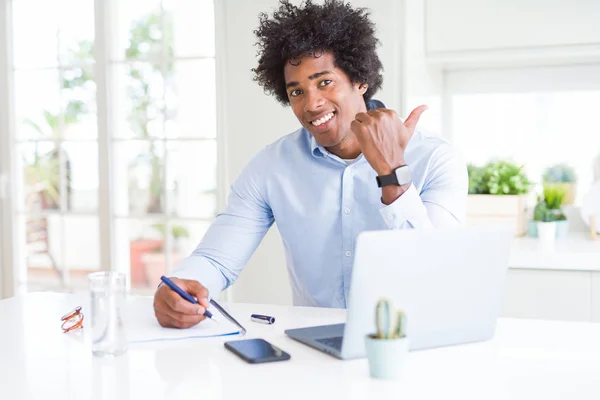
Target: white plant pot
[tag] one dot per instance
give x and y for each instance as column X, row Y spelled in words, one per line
column 386, row 356
column 547, row 234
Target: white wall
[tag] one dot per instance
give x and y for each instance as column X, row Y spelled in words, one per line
column 483, row 25
column 253, row 120
column 421, row 83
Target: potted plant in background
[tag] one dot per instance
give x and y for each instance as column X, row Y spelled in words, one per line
column 546, row 226
column 388, row 347
column 555, row 196
column 498, row 194
column 549, row 209
column 563, row 176
column 155, row 261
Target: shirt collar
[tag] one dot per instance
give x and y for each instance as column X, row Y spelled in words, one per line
column 319, row 151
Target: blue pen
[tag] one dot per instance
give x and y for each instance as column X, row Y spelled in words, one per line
column 185, row 295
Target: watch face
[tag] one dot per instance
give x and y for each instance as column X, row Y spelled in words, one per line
column 403, row 175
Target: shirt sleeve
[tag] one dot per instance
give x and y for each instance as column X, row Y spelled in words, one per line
column 217, row 262
column 441, row 203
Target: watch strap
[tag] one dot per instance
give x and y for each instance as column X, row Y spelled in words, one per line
column 392, row 179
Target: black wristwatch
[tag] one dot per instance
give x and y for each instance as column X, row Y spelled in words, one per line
column 400, row 176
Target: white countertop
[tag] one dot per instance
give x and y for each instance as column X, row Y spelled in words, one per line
column 525, row 360
column 577, row 252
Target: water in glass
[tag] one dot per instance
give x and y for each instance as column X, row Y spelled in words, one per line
column 107, row 290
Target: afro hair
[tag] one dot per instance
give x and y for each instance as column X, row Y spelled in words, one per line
column 310, row 29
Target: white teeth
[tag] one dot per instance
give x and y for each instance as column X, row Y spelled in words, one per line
column 323, row 119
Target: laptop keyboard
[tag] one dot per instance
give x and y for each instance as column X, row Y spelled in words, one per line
column 335, row 342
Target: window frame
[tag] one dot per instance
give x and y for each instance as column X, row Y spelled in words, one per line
column 7, row 281
column 104, row 68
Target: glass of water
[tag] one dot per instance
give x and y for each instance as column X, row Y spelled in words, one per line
column 107, row 290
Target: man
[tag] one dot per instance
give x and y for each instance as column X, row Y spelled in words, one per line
column 321, row 184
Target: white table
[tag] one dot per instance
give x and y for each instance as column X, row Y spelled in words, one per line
column 526, row 360
column 575, row 252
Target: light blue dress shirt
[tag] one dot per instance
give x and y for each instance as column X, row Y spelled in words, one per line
column 320, row 204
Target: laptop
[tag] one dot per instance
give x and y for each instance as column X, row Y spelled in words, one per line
column 449, row 282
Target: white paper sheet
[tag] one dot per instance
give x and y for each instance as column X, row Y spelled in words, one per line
column 142, row 325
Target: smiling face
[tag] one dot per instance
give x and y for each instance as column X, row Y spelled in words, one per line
column 325, row 102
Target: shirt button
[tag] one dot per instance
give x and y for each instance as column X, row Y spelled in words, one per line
column 346, row 210
column 390, row 217
column 348, row 253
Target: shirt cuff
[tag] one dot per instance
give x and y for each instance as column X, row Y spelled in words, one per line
column 407, row 211
column 203, row 271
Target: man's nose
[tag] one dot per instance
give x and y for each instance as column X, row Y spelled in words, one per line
column 313, row 101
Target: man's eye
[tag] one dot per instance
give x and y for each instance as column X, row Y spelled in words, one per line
column 295, row 92
column 325, row 82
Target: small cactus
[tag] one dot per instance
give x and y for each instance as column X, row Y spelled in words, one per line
column 389, row 327
column 400, row 324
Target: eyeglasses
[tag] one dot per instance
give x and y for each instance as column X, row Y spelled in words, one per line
column 73, row 320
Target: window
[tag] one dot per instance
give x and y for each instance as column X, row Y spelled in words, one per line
column 535, row 116
column 156, row 126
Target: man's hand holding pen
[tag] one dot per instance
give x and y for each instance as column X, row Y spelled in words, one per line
column 173, row 311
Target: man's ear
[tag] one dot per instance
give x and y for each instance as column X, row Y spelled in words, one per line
column 362, row 88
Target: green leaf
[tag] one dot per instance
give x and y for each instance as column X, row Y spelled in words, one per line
column 503, row 178
column 476, row 183
column 540, row 211
column 554, row 196
column 548, row 208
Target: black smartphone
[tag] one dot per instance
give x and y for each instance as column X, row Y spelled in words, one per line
column 256, row 351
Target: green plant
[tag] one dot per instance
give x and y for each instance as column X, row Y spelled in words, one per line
column 559, row 173
column 540, row 211
column 390, row 324
column 498, row 178
column 505, row 178
column 548, row 207
column 554, row 196
column 476, row 183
